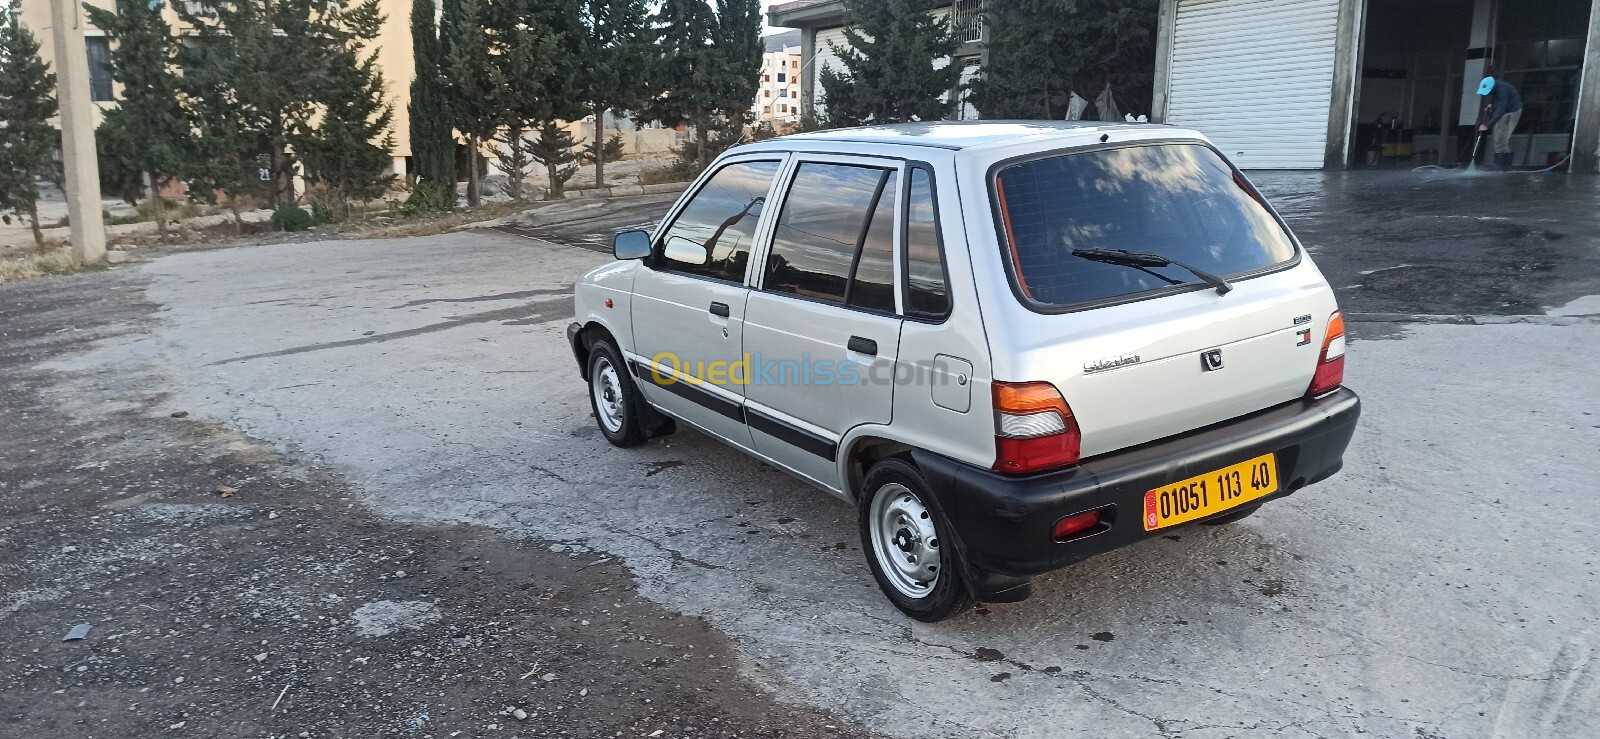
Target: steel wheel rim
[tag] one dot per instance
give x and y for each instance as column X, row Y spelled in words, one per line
column 904, row 540
column 606, row 387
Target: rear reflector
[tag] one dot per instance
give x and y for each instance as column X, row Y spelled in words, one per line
column 1330, row 365
column 1034, row 428
column 1072, row 525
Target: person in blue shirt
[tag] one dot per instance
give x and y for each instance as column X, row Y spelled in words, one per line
column 1502, row 107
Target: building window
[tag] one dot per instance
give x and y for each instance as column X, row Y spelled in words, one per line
column 966, row 19
column 784, row 108
column 783, row 77
column 783, row 93
column 99, row 68
column 768, row 78
column 794, row 64
column 766, row 93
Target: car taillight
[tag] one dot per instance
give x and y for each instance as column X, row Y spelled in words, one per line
column 1330, row 366
column 1033, row 428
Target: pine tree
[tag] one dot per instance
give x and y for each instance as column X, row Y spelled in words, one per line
column 615, row 51
column 147, row 130
column 553, row 149
column 348, row 148
column 27, row 103
column 476, row 83
column 686, row 70
column 1041, row 51
column 433, row 144
column 531, row 50
column 889, row 74
column 225, row 157
column 279, row 65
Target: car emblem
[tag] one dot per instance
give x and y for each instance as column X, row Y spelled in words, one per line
column 1101, row 365
column 1211, row 360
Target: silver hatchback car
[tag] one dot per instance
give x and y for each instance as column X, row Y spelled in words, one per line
column 1012, row 345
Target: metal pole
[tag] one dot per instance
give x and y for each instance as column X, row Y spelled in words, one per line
column 77, row 132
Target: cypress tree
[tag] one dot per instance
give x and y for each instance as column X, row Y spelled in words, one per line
column 888, row 74
column 739, row 48
column 615, row 51
column 433, row 144
column 687, row 68
column 148, row 127
column 27, row 103
column 1041, row 51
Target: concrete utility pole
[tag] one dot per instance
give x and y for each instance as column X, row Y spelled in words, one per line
column 77, row 132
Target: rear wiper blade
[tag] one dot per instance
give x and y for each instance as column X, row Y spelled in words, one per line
column 1143, row 259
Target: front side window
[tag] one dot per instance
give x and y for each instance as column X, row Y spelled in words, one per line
column 712, row 236
column 835, row 236
column 1183, row 202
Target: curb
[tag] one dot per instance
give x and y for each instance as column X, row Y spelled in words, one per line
column 625, row 190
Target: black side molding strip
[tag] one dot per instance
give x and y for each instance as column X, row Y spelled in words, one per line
column 774, row 427
column 792, row 434
column 718, row 404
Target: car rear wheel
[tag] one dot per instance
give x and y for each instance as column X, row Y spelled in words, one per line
column 614, row 397
column 902, row 534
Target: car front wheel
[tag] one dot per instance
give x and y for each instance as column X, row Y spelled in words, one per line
column 903, row 536
column 614, row 397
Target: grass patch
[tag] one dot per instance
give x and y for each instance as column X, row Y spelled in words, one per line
column 663, row 175
column 50, row 259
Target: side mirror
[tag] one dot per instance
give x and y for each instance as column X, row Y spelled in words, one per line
column 631, row 245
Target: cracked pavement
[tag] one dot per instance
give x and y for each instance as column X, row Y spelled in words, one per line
column 1442, row 585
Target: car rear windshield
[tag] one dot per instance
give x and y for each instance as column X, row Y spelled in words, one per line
column 1181, row 201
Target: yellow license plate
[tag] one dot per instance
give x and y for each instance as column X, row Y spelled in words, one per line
column 1213, row 492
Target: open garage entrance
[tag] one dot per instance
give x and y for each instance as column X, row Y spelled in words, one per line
column 1421, row 61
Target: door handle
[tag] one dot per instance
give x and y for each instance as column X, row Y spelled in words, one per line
column 719, row 309
column 862, row 346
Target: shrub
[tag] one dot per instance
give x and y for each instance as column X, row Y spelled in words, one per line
column 327, row 206
column 290, row 217
column 428, row 197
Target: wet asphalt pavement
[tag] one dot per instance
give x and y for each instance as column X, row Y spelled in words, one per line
column 1443, row 241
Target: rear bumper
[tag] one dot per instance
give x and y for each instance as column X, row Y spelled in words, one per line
column 1004, row 524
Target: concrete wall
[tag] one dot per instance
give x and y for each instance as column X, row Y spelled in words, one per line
column 636, row 141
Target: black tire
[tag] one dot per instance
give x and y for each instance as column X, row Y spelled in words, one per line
column 1235, row 515
column 623, row 429
column 892, row 480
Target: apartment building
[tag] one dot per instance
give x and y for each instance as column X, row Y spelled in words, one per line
column 820, row 25
column 778, row 97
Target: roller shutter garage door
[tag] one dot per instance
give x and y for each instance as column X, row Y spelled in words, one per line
column 825, row 57
column 1256, row 77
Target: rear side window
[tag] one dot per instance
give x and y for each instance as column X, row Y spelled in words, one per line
column 1181, row 201
column 712, row 236
column 835, row 237
column 927, row 294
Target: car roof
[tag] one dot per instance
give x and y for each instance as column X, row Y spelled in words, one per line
column 958, row 135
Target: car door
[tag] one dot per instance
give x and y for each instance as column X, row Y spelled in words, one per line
column 822, row 327
column 689, row 299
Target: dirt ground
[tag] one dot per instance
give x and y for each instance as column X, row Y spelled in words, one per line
column 235, row 592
